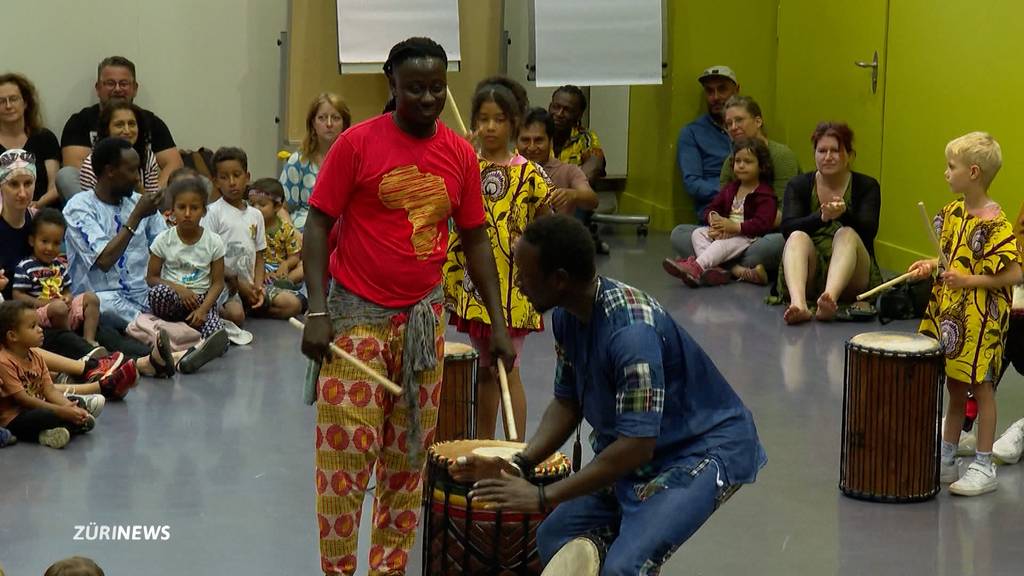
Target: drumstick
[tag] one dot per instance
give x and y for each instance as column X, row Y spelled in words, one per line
column 931, row 234
column 388, row 384
column 506, row 399
column 455, row 110
column 882, row 287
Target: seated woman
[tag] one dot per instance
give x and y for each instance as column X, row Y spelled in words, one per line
column 21, row 128
column 122, row 119
column 829, row 219
column 743, row 119
column 328, row 116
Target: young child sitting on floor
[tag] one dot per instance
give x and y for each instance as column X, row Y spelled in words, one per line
column 31, row 408
column 42, row 280
column 284, row 243
column 242, row 229
column 186, row 274
column 743, row 210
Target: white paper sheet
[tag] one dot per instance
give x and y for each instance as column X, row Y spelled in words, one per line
column 367, row 29
column 598, row 42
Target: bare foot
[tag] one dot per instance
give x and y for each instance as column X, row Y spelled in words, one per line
column 794, row 315
column 826, row 308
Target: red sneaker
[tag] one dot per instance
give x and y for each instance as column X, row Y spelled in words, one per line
column 686, row 269
column 122, row 379
column 105, row 367
column 715, row 277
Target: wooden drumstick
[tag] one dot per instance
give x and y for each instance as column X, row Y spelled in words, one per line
column 882, row 287
column 388, row 384
column 455, row 110
column 506, row 399
column 931, row 234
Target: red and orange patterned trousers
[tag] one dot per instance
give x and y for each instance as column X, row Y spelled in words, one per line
column 361, row 429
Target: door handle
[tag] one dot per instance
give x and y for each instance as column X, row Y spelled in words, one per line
column 874, row 70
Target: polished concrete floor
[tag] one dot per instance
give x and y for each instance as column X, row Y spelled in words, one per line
column 224, row 460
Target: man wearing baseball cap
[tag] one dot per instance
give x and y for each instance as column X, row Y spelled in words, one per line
column 704, row 143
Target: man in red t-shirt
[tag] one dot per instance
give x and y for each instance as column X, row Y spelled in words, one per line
column 395, row 180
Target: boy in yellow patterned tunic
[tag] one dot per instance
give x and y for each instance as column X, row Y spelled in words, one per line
column 969, row 309
column 515, row 193
column 284, row 242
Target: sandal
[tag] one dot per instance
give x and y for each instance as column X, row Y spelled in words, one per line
column 166, row 356
column 857, row 312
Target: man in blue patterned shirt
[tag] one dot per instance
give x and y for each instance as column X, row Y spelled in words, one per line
column 671, row 438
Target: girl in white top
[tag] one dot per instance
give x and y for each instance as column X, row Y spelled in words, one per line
column 186, row 263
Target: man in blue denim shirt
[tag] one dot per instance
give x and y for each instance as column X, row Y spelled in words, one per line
column 671, row 438
column 704, row 144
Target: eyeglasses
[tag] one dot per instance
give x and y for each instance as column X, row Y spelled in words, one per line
column 12, row 100
column 8, row 158
column 334, row 118
column 115, row 84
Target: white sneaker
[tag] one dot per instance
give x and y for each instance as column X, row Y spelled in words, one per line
column 93, row 403
column 976, row 481
column 1009, row 446
column 948, row 473
column 55, row 437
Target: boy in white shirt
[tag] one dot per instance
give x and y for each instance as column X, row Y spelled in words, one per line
column 241, row 228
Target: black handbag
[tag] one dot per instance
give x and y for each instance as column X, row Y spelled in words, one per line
column 904, row 302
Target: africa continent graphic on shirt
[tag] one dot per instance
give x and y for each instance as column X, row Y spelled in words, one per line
column 425, row 200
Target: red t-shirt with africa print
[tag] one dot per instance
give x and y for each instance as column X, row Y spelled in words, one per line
column 395, row 193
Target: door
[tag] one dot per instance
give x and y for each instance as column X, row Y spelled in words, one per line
column 819, row 78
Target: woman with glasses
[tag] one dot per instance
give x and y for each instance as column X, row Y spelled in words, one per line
column 328, row 117
column 21, row 127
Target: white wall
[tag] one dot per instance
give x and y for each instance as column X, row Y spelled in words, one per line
column 211, row 70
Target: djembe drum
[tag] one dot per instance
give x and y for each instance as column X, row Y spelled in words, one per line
column 456, row 413
column 580, row 556
column 460, row 535
column 892, row 407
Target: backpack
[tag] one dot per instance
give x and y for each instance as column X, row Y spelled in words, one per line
column 904, row 302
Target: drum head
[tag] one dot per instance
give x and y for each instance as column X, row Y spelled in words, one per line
column 458, row 350
column 578, row 556
column 555, row 466
column 904, row 343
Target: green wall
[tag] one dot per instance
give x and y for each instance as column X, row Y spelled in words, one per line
column 951, row 69
column 740, row 34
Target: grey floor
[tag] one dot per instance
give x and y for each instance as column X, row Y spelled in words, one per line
column 224, row 458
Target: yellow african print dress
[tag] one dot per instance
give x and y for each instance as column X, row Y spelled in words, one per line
column 970, row 323
column 512, row 195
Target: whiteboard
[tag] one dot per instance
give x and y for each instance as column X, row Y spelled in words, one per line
column 367, row 29
column 598, row 42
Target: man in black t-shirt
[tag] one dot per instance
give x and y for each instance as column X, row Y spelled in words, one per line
column 115, row 78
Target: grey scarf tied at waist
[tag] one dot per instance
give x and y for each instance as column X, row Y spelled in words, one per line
column 419, row 353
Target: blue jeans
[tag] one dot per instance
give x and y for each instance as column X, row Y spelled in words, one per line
column 654, row 517
column 766, row 250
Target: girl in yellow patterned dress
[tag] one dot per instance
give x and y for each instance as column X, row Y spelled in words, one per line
column 515, row 193
column 969, row 309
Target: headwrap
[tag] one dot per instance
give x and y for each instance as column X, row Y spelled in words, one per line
column 15, row 161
